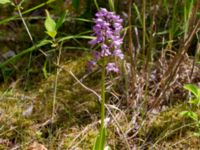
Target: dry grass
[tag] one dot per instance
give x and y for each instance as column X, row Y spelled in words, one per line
column 26, row 116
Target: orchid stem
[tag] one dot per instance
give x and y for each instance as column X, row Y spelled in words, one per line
column 101, row 145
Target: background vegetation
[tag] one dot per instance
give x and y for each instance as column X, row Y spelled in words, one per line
column 49, row 98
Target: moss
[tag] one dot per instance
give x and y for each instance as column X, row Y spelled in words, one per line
column 76, row 112
column 74, row 106
column 14, row 126
column 168, row 126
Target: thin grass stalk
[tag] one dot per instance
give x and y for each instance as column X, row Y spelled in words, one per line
column 148, row 61
column 187, row 15
column 194, row 61
column 102, row 144
column 55, row 93
column 96, row 4
column 173, row 25
column 139, row 15
column 56, row 82
column 192, row 17
column 31, row 38
column 143, row 26
column 24, row 23
column 147, row 69
column 112, row 5
column 197, row 55
column 132, row 52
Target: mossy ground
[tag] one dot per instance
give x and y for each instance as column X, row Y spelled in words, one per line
column 77, row 114
column 76, row 108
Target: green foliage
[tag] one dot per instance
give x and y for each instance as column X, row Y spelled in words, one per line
column 96, row 4
column 196, row 92
column 97, row 142
column 22, row 53
column 190, row 114
column 198, row 14
column 100, row 140
column 6, row 72
column 187, row 8
column 196, row 102
column 137, row 13
column 5, row 1
column 76, row 3
column 50, row 26
column 111, row 5
column 44, row 70
column 61, row 20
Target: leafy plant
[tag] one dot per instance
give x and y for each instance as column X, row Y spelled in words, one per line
column 5, row 1
column 50, row 26
column 100, row 140
column 196, row 102
column 196, row 92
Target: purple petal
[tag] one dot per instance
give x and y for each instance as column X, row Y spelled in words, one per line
column 111, row 67
column 93, row 42
column 91, row 65
column 118, row 53
column 96, row 55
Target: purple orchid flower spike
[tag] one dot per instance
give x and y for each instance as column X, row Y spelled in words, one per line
column 107, row 30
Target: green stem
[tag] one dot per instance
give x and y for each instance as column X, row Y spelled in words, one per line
column 31, row 38
column 96, row 4
column 102, row 142
column 56, row 81
column 143, row 25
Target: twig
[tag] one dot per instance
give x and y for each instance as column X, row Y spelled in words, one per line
column 85, row 87
column 56, row 81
